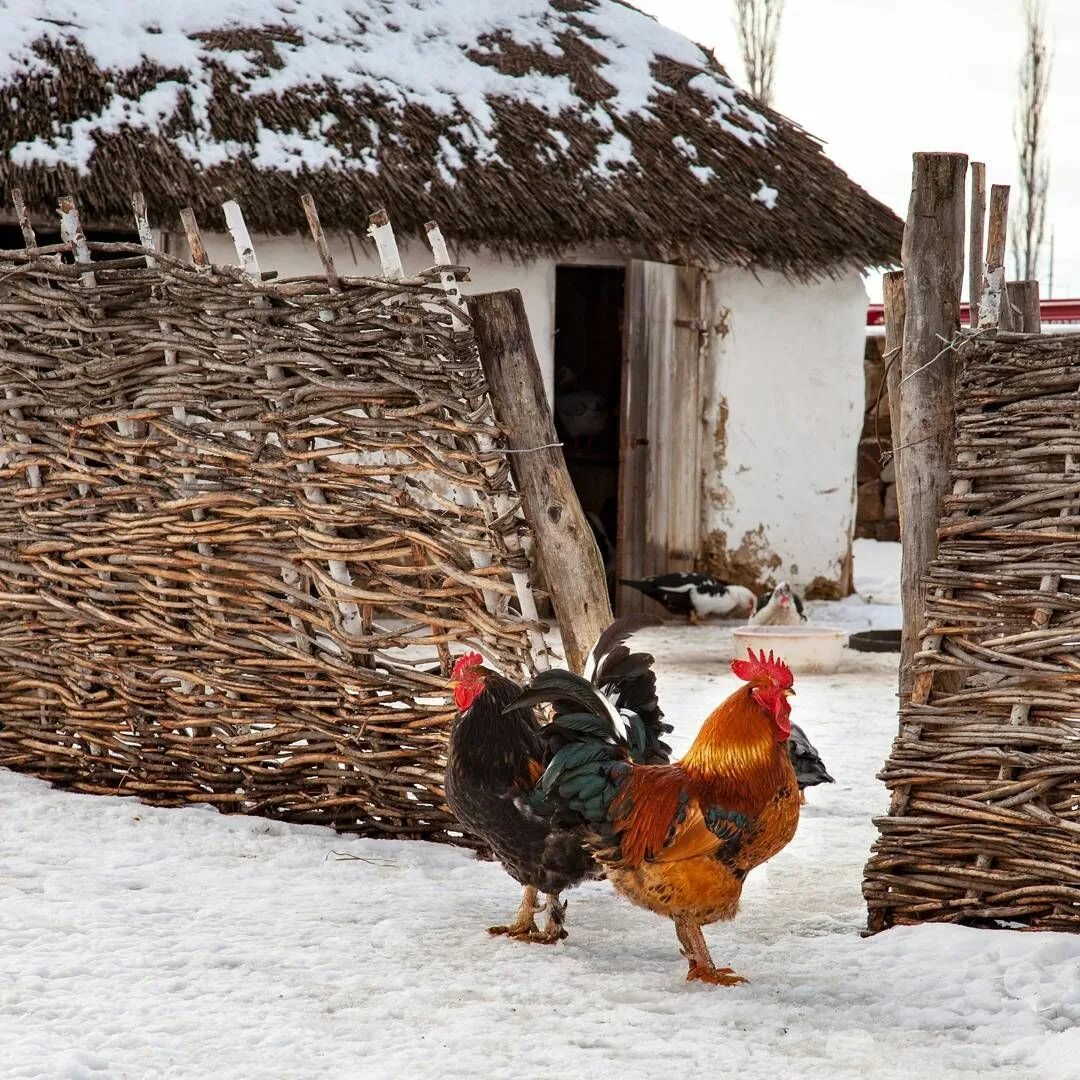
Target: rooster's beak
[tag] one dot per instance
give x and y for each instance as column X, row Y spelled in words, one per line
column 789, row 693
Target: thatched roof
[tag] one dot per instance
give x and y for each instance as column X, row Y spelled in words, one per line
column 522, row 125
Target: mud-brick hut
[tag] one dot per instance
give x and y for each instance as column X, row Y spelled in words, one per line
column 690, row 260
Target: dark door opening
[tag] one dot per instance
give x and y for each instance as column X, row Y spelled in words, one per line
column 588, row 390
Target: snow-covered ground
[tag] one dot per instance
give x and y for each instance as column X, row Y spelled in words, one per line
column 137, row 942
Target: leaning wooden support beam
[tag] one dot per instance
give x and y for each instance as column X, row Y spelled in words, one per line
column 465, row 496
column 933, row 255
column 575, row 570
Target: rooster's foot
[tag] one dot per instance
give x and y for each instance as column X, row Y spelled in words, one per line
column 524, row 925
column 522, row 931
column 713, row 975
column 547, row 936
column 553, row 931
column 696, row 951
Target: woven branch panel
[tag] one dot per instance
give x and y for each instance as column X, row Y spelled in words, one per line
column 242, row 527
column 984, row 825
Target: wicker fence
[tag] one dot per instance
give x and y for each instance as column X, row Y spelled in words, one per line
column 243, row 525
column 984, row 826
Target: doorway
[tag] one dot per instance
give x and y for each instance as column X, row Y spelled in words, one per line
column 589, row 305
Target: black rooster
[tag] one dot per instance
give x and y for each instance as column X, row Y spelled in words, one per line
column 495, row 759
column 809, row 768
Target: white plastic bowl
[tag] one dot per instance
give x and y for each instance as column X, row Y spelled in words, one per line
column 802, row 648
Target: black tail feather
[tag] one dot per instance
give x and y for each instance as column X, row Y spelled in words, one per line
column 614, row 636
column 569, row 693
column 629, row 680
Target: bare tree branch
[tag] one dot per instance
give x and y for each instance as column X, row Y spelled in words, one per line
column 758, row 26
column 1029, row 223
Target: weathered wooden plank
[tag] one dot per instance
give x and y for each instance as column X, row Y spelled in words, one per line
column 667, row 411
column 933, row 256
column 574, row 568
column 684, row 422
column 658, row 527
column 630, row 558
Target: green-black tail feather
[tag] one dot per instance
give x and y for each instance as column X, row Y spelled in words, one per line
column 602, row 725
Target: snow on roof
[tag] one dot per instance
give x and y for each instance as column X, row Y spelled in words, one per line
column 378, row 89
column 429, row 54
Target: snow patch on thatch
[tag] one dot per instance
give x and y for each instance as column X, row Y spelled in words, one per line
column 429, row 54
column 523, row 126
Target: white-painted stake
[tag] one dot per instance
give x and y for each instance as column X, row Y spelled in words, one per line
column 382, row 232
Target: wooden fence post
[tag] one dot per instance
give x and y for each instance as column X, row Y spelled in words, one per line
column 933, row 255
column 572, row 560
column 1025, row 314
column 977, row 238
column 895, row 310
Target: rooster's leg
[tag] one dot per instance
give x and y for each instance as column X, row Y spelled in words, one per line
column 524, row 925
column 553, row 929
column 702, row 968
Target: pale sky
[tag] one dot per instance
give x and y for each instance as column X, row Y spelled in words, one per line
column 877, row 80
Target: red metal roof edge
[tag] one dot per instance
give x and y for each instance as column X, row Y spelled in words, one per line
column 1053, row 311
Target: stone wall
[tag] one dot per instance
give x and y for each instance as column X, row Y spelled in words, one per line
column 876, row 513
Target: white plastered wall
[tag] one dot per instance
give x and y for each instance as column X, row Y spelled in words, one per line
column 293, row 256
column 784, row 405
column 785, row 418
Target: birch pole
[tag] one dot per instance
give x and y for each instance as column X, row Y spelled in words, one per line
column 991, row 302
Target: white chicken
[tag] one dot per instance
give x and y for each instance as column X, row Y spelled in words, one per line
column 781, row 607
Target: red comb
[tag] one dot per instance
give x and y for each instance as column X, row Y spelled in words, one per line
column 469, row 660
column 757, row 667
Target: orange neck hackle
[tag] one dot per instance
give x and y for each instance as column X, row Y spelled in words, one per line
column 737, row 740
column 742, row 740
